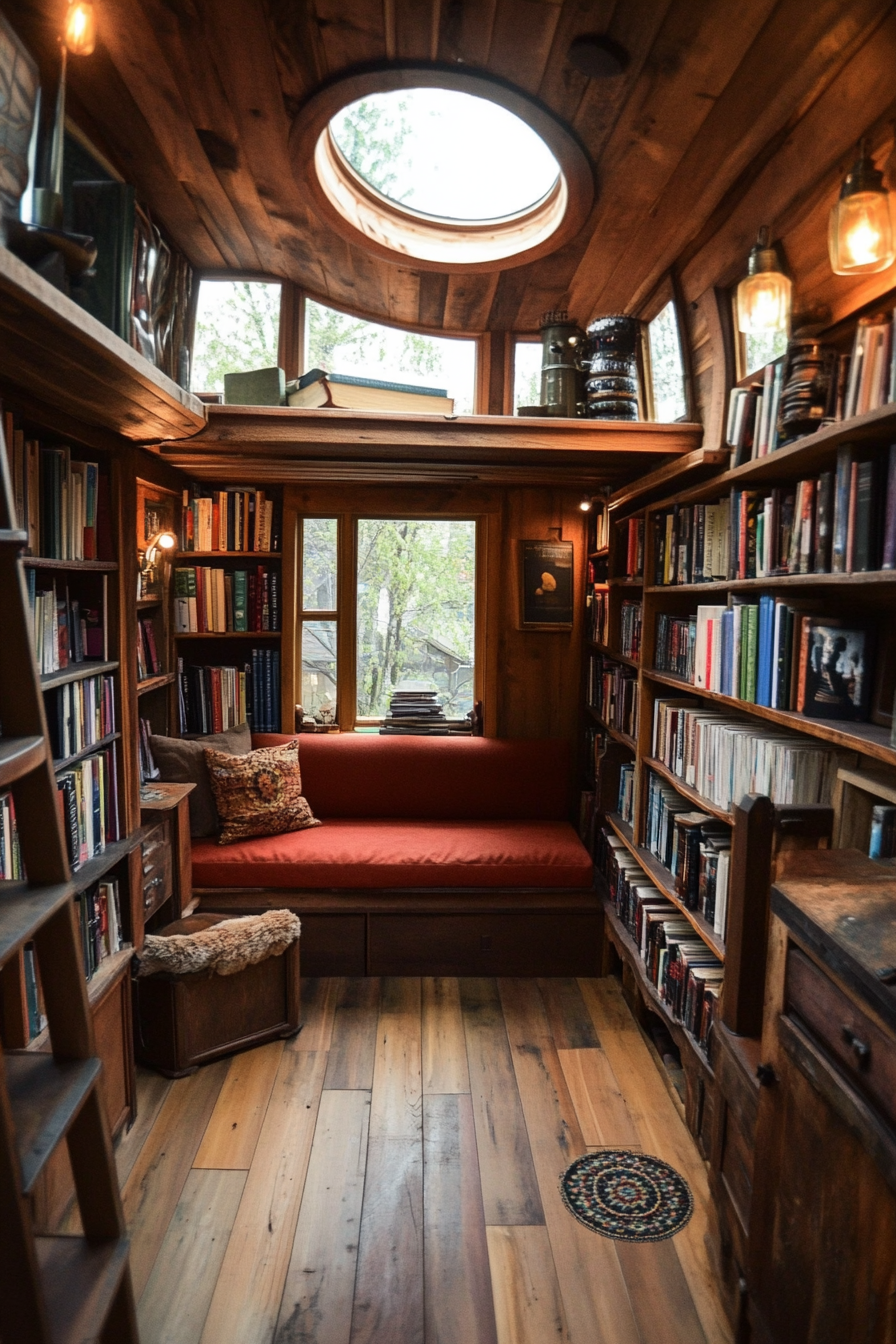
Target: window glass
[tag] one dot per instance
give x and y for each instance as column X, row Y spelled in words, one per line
column 237, row 329
column 667, row 366
column 760, row 349
column 318, row 665
column 526, row 374
column 339, row 343
column 319, row 564
column 415, row 617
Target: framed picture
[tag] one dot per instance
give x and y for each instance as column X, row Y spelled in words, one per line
column 546, row 587
column 157, row 511
column 837, row 682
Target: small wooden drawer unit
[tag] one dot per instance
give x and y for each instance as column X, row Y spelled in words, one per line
column 155, row 868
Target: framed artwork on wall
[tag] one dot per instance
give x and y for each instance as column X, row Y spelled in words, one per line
column 546, row 587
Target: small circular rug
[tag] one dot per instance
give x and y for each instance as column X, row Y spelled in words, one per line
column 627, row 1196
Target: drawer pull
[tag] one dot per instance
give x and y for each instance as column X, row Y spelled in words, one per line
column 859, row 1048
column 766, row 1075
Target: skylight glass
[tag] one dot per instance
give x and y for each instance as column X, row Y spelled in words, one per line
column 445, row 154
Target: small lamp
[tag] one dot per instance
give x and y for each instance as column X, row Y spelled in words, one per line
column 79, row 36
column 585, row 503
column 156, row 547
column 860, row 231
column 763, row 296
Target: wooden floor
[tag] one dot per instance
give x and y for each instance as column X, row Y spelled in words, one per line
column 391, row 1176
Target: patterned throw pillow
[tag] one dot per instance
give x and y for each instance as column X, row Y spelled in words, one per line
column 260, row 793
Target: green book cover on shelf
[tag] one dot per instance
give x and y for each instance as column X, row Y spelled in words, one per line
column 240, row 602
column 751, row 618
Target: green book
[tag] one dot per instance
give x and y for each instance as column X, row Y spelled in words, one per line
column 240, row 599
column 255, row 387
column 751, row 614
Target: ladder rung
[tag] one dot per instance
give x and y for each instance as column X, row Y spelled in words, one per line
column 45, row 1095
column 11, row 536
column 24, row 909
column 19, row 756
column 80, row 1280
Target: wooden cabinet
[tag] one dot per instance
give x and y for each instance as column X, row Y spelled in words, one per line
column 822, row 1236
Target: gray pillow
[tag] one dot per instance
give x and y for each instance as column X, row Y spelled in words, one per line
column 181, row 760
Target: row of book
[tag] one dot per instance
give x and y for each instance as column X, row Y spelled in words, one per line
column 87, row 801
column 211, row 600
column 634, row 548
column 212, row 699
column 871, row 381
column 63, row 631
column 676, row 639
column 85, row 714
column 773, row 654
column 694, row 847
column 61, row 503
column 599, row 614
column 99, row 921
column 11, row 869
column 724, row 757
column 613, row 693
column 630, row 629
column 149, row 664
column 686, row 974
column 230, row 520
column 753, row 428
column 598, row 526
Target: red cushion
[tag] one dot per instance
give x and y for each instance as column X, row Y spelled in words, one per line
column 393, row 853
column 432, row 778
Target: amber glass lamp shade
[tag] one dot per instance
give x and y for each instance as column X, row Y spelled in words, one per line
column 764, row 294
column 79, row 37
column 860, row 233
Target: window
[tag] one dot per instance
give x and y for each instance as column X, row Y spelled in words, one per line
column 411, row 613
column 342, row 344
column 761, row 349
column 526, row 374
column 237, row 328
column 667, row 366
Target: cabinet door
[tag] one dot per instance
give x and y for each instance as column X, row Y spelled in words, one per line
column 114, row 1045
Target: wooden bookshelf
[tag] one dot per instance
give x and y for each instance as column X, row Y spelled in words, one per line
column 73, row 566
column 155, row 683
column 76, row 672
column 257, row 556
column 229, row 634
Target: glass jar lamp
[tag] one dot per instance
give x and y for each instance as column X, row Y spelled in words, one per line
column 764, row 294
column 860, row 231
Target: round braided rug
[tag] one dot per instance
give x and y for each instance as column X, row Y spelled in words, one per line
column 627, row 1196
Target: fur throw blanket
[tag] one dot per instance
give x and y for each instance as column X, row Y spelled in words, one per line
column 224, row 949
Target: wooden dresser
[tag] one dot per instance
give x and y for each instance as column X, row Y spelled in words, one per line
column 822, row 1244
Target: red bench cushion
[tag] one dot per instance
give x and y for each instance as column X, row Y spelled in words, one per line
column 391, row 853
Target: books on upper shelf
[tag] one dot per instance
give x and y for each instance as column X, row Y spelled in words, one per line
column 630, row 629
column 773, row 654
column 84, row 715
column 99, row 923
column 752, row 426
column 230, row 520
column 634, row 548
column 342, row 391
column 87, row 800
column 212, row 600
column 599, row 614
column 63, row 631
column 725, row 757
column 61, row 502
column 212, row 699
column 149, row 664
column 598, row 525
column 613, row 693
column 871, row 381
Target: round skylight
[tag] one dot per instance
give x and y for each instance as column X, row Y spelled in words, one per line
column 446, row 154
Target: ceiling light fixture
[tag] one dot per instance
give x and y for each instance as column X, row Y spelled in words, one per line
column 860, row 232
column 764, row 294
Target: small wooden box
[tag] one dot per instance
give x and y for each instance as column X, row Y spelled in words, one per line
column 182, row 1021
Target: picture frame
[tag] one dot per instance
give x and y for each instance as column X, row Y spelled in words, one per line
column 157, row 511
column 546, row 585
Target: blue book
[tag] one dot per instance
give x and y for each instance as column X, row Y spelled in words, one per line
column 727, row 637
column 764, row 669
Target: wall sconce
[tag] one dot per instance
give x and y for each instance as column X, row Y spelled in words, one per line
column 156, row 547
column 78, row 37
column 860, row 230
column 763, row 296
column 585, row 503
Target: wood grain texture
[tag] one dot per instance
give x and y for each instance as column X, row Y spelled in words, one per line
column 319, row 999
column 457, row 1288
column 509, row 1187
column 395, row 1107
column 569, row 1019
column 600, row 1106
column 152, row 1089
column 353, row 1041
column 232, row 1133
column 526, row 1294
column 157, row 1177
column 443, row 1042
column 389, row 1285
column 176, row 1300
column 246, row 1302
column 320, row 1282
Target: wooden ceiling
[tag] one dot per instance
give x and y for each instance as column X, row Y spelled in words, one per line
column 193, row 101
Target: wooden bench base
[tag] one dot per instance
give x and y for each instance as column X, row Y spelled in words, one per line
column 434, row 932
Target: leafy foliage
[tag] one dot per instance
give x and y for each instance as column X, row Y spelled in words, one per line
column 336, row 342
column 237, row 328
column 372, row 140
column 667, row 369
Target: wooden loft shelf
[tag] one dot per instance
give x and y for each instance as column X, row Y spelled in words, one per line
column 688, row 469
column 56, row 352
column 303, row 445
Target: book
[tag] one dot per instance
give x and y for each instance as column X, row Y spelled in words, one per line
column 343, row 391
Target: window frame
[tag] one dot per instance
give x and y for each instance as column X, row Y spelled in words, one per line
column 518, row 338
column 253, row 277
column 346, row 613
column 666, row 292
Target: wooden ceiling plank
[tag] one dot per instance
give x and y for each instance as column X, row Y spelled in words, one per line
column 507, row 298
column 823, row 139
column 433, row 293
column 521, row 40
column 469, row 302
column 352, row 31
column 465, row 31
column 132, row 45
column 415, row 28
column 404, row 295
column 298, row 49
column 697, row 51
column 773, row 88
column 562, row 87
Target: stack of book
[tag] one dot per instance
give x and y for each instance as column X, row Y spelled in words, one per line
column 212, row 699
column 63, row 631
column 230, row 520
column 630, row 629
column 415, row 710
column 613, row 693
column 60, row 502
column 85, row 714
column 752, row 428
column 214, row 601
column 87, row 800
column 872, row 367
column 99, row 920
column 694, row 847
column 725, row 757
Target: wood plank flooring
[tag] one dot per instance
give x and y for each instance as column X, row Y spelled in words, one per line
column 390, row 1176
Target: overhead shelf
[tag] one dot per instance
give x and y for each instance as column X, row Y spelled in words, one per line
column 57, row 352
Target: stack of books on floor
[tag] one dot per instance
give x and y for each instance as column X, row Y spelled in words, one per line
column 415, row 711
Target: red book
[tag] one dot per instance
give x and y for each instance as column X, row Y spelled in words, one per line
column 217, row 710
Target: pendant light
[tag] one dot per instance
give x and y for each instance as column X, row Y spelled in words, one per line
column 860, row 232
column 763, row 296
column 80, row 28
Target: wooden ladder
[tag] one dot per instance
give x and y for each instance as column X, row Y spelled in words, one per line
column 53, row 1289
